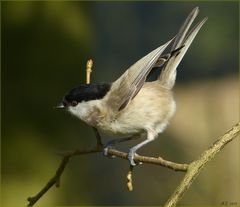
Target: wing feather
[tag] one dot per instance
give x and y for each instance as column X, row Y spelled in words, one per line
column 168, row 74
column 128, row 85
column 183, row 38
column 125, row 88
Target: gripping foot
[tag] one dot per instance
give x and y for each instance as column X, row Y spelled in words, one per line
column 131, row 156
column 105, row 151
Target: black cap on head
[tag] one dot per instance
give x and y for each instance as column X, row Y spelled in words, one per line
column 85, row 92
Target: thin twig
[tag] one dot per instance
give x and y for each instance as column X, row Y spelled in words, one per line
column 196, row 166
column 129, row 178
column 98, row 137
column 89, row 70
column 55, row 180
column 192, row 170
column 150, row 160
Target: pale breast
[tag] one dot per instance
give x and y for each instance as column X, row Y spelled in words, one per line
column 150, row 109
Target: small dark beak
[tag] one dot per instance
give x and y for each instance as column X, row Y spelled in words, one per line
column 60, row 106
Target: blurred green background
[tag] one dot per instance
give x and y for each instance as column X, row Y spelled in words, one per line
column 45, row 46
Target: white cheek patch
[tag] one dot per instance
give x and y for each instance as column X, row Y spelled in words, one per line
column 83, row 109
column 72, row 110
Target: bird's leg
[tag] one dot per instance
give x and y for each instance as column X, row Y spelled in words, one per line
column 113, row 142
column 151, row 135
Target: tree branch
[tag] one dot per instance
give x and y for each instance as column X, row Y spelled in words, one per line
column 196, row 166
column 55, row 180
column 98, row 138
column 150, row 160
column 192, row 170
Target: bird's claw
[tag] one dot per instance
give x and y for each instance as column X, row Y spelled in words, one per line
column 105, row 151
column 131, row 159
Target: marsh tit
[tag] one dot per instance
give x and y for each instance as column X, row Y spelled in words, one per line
column 131, row 106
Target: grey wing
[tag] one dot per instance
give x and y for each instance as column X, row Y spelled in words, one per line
column 128, row 85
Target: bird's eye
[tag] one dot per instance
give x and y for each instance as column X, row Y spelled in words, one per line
column 74, row 103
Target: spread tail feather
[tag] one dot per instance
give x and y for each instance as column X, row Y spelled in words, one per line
column 183, row 40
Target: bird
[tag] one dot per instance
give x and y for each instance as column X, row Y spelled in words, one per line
column 131, row 106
